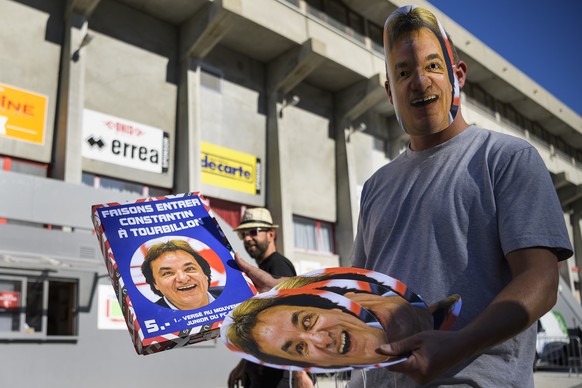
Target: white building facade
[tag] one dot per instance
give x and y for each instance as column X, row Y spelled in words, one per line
column 275, row 103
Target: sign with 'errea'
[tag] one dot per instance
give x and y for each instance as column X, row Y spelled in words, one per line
column 123, row 142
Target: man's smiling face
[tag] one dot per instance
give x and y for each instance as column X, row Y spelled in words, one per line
column 259, row 244
column 418, row 83
column 178, row 276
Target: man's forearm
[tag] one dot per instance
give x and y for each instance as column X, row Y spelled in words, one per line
column 530, row 294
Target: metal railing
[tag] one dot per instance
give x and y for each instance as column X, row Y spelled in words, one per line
column 559, row 353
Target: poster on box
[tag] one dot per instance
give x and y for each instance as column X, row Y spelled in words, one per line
column 171, row 267
column 332, row 320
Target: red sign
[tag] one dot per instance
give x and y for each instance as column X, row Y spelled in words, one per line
column 9, row 299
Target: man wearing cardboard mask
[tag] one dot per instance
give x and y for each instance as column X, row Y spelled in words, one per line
column 258, row 234
column 462, row 210
column 465, row 210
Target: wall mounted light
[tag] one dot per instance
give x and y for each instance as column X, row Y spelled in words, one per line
column 86, row 40
column 289, row 101
column 360, row 128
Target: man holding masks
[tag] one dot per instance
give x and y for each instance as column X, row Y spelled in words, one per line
column 463, row 210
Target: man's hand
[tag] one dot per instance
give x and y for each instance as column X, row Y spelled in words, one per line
column 235, row 378
column 530, row 293
column 430, row 354
column 261, row 279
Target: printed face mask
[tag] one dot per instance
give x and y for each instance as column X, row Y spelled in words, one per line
column 436, row 27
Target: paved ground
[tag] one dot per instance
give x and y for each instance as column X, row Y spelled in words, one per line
column 542, row 379
column 557, row 379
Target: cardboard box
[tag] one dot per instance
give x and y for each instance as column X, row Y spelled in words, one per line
column 155, row 251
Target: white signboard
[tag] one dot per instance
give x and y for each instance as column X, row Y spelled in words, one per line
column 109, row 316
column 123, row 142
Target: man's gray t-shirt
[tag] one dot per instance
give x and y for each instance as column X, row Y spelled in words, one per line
column 442, row 221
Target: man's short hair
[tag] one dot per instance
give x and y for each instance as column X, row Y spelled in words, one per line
column 408, row 19
column 170, row 246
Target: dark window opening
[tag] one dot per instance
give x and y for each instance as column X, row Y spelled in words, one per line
column 32, row 307
column 61, row 315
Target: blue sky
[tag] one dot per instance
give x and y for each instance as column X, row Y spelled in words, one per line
column 541, row 38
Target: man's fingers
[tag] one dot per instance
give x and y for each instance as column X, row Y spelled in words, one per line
column 403, row 348
column 393, row 349
column 242, row 264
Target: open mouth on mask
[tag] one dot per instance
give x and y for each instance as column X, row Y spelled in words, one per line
column 187, row 288
column 419, row 102
column 345, row 343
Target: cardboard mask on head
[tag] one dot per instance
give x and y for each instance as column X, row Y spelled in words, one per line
column 446, row 49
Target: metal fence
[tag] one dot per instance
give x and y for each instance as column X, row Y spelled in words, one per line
column 559, row 353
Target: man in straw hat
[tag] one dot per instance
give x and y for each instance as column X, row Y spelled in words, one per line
column 258, row 234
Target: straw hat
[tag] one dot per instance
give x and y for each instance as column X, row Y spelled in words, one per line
column 258, row 217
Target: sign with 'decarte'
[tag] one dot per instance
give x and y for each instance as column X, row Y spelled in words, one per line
column 231, row 169
column 123, row 142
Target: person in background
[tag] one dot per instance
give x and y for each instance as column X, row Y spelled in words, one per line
column 258, row 234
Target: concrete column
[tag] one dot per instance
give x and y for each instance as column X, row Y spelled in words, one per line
column 570, row 196
column 277, row 158
column 347, row 201
column 198, row 36
column 67, row 159
column 187, row 168
column 350, row 105
column 283, row 74
column 576, row 260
